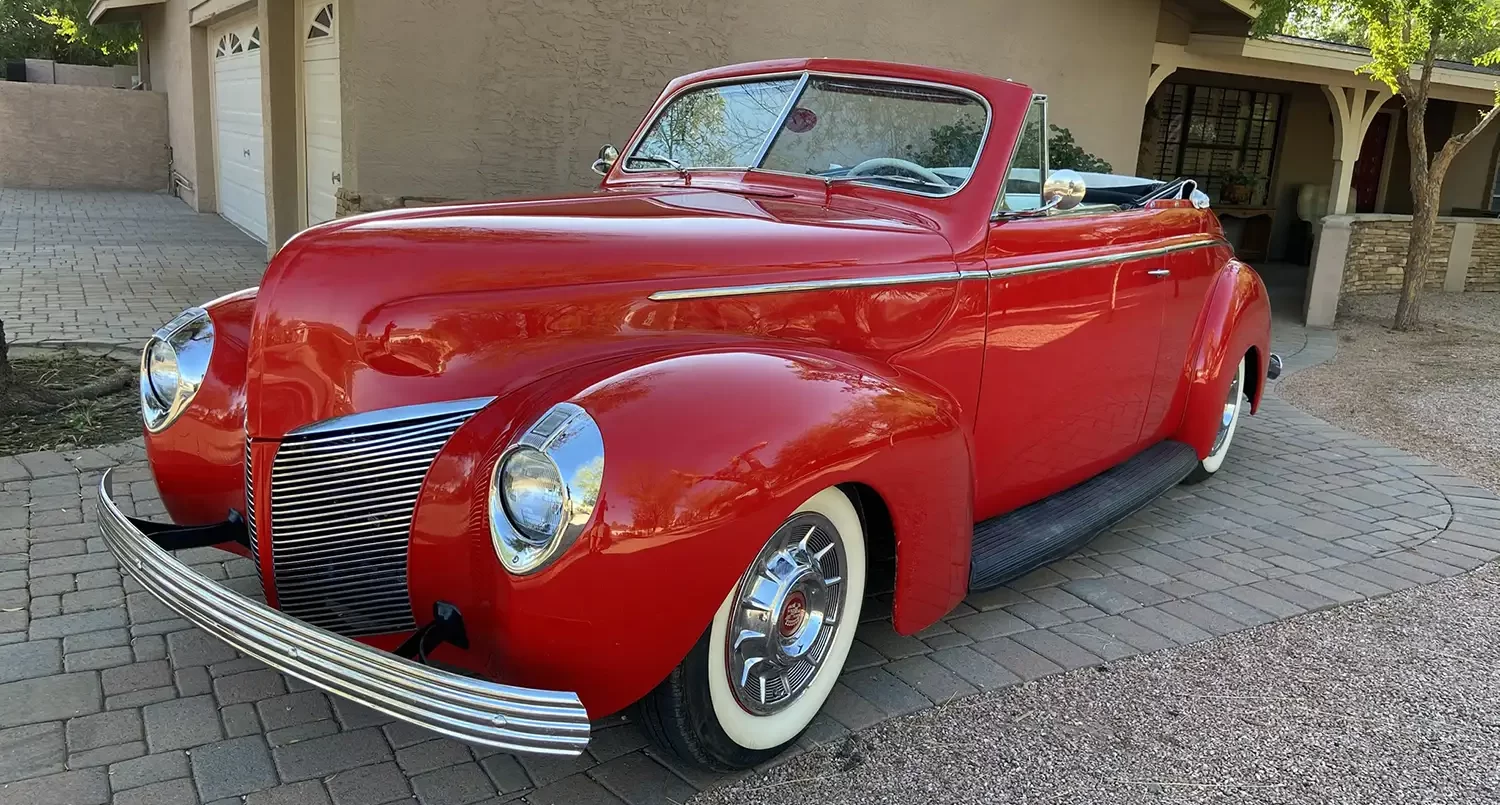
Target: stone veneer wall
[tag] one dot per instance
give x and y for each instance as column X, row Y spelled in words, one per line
column 1377, row 254
column 351, row 203
column 1484, row 265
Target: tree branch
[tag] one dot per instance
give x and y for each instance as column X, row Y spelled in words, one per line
column 1484, row 122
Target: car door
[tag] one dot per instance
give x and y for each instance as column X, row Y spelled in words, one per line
column 1184, row 293
column 1070, row 355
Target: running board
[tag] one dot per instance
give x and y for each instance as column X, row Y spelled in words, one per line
column 1016, row 543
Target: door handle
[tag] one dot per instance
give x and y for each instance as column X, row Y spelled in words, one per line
column 338, row 178
column 247, row 153
column 1159, row 272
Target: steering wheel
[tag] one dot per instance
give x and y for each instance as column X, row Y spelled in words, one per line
column 869, row 166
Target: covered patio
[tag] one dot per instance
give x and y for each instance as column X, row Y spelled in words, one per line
column 1308, row 165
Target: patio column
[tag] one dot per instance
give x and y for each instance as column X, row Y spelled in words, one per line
column 1353, row 112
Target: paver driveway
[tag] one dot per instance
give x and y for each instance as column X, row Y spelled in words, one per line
column 108, row 268
column 106, row 695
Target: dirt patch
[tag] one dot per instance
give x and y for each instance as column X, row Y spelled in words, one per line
column 1434, row 392
column 113, row 417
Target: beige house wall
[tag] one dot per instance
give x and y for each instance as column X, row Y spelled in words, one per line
column 58, row 136
column 169, row 40
column 1472, row 176
column 518, row 100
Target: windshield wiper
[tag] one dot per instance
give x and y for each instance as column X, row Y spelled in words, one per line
column 885, row 177
column 671, row 163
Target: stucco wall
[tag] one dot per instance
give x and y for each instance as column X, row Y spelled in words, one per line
column 168, row 40
column 66, row 137
column 1377, row 254
column 443, row 100
column 1305, row 158
column 1472, row 175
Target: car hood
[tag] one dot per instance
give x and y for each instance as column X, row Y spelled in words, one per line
column 440, row 303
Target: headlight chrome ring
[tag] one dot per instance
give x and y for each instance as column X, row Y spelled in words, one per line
column 544, row 489
column 173, row 365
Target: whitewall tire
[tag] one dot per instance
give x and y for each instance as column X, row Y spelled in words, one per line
column 776, row 645
column 1234, row 408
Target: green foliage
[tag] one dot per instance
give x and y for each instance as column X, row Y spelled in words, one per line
column 950, row 145
column 1063, row 152
column 1399, row 33
column 60, row 30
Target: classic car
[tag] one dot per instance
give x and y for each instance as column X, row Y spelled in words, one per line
column 826, row 329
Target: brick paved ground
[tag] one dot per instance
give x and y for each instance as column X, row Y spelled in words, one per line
column 108, row 268
column 106, row 696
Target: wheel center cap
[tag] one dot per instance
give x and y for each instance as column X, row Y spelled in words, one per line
column 793, row 613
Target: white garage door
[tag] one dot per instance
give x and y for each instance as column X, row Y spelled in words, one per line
column 322, row 133
column 238, row 136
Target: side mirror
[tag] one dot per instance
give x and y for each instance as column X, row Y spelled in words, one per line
column 607, row 156
column 1063, row 190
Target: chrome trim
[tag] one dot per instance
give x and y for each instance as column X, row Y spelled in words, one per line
column 989, row 119
column 1198, row 242
column 568, row 437
column 510, row 718
column 191, row 337
column 936, row 276
column 387, row 416
column 807, row 285
column 352, row 484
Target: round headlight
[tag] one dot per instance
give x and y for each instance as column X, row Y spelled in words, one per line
column 545, row 488
column 534, row 494
column 162, row 373
column 173, row 366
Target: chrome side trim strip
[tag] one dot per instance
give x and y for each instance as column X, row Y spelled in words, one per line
column 809, row 285
column 1122, row 257
column 503, row 716
column 388, row 416
column 937, row 276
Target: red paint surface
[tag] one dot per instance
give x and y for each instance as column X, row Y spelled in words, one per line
column 953, row 400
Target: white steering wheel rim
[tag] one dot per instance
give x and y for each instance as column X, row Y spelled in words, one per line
column 864, row 168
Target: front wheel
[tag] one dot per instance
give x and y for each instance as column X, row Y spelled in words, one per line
column 775, row 648
column 1234, row 404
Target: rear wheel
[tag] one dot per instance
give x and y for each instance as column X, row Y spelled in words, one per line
column 775, row 648
column 1229, row 420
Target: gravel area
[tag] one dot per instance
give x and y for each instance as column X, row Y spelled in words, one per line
column 1390, row 701
column 1434, row 392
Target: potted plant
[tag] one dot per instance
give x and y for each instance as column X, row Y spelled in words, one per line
column 1239, row 186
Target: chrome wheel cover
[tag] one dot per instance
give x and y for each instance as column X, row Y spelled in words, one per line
column 1231, row 412
column 785, row 613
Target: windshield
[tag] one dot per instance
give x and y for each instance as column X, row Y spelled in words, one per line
column 909, row 137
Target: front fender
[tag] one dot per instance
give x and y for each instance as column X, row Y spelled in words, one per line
column 1236, row 322
column 705, row 456
column 199, row 460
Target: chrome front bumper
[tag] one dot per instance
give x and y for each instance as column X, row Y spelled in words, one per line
column 514, row 719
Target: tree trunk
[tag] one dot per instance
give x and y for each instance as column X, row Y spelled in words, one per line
column 1426, row 197
column 7, row 375
column 1418, row 251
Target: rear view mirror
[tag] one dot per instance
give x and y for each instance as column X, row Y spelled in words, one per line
column 607, row 156
column 1063, row 190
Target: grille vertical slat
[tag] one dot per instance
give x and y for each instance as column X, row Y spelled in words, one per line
column 353, row 488
column 250, row 508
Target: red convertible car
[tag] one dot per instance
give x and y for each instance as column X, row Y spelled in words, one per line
column 826, row 328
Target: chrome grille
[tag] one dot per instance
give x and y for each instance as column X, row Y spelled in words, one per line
column 342, row 498
column 250, row 510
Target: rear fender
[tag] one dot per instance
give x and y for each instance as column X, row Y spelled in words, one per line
column 705, row 456
column 1236, row 322
column 199, row 460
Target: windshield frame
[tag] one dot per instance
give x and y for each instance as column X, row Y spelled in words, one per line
column 804, row 77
